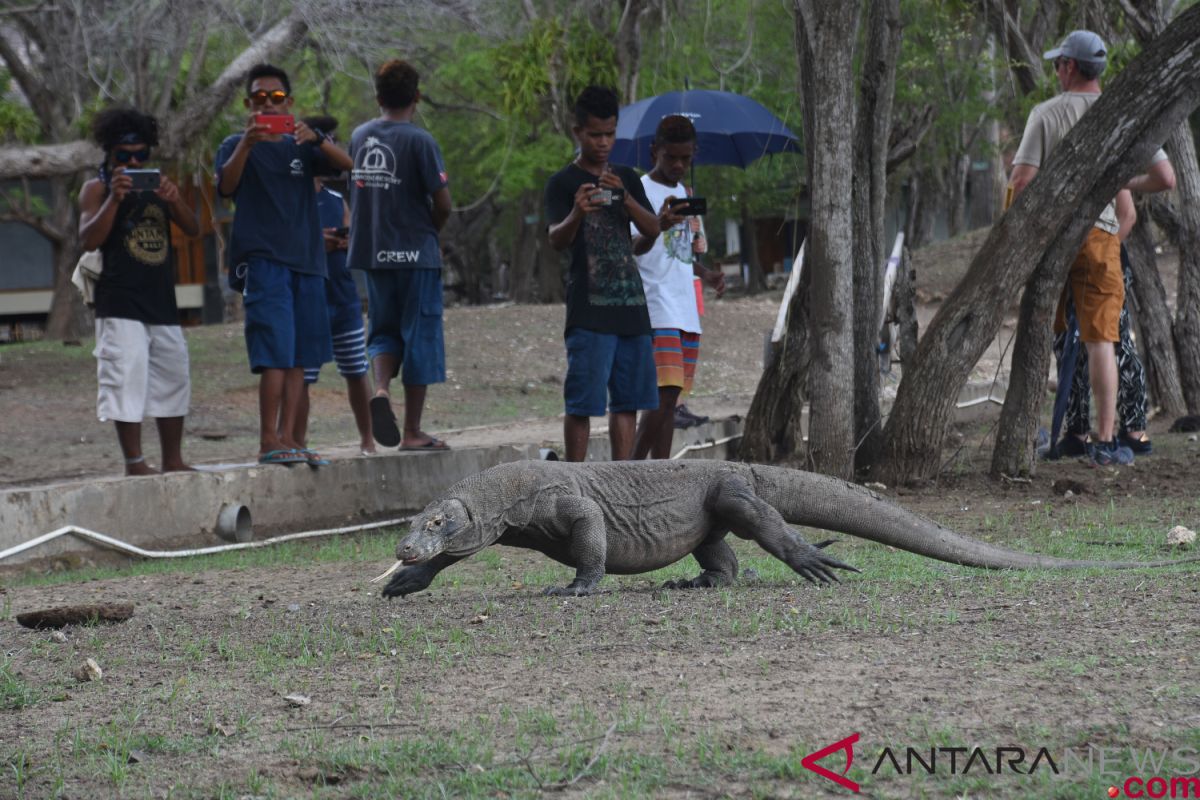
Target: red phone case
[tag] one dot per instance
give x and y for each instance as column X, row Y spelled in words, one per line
column 276, row 123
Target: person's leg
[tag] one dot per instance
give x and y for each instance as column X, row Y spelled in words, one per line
column 170, row 437
column 425, row 353
column 270, row 400
column 589, row 362
column 385, row 351
column 656, row 429
column 129, row 436
column 122, row 375
column 621, row 426
column 293, row 391
column 1102, row 372
column 299, row 431
column 1099, row 294
column 169, row 392
column 358, row 389
column 632, row 387
column 576, row 431
column 271, row 345
column 1131, row 390
column 1079, row 412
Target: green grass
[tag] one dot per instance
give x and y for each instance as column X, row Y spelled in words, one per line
column 15, row 692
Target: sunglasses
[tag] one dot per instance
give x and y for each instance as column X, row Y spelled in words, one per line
column 262, row 97
column 125, row 156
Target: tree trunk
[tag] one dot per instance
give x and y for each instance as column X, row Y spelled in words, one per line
column 869, row 182
column 826, row 34
column 774, row 429
column 1154, row 321
column 69, row 318
column 904, row 295
column 1181, row 148
column 629, row 48
column 1046, row 225
column 755, row 281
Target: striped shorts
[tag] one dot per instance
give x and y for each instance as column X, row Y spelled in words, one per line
column 675, row 356
column 349, row 343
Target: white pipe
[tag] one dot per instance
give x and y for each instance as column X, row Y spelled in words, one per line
column 134, row 550
column 689, row 448
column 793, row 282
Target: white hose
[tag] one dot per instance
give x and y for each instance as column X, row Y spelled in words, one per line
column 134, row 550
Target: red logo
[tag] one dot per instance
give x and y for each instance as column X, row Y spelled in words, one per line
column 810, row 762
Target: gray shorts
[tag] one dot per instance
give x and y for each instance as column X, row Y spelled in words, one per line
column 142, row 370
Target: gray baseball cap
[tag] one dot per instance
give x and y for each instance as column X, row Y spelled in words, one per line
column 1081, row 46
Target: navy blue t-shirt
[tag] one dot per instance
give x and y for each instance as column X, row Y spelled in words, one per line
column 276, row 207
column 397, row 169
column 330, row 209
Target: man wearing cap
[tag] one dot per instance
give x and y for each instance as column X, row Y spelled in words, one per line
column 1094, row 282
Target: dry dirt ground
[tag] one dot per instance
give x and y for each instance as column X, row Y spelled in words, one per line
column 482, row 687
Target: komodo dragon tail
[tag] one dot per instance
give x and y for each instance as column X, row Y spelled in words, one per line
column 819, row 501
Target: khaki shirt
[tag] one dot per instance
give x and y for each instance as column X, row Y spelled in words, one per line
column 1048, row 125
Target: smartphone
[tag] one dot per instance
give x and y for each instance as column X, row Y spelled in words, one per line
column 342, row 232
column 144, row 180
column 276, row 123
column 690, row 206
column 608, row 196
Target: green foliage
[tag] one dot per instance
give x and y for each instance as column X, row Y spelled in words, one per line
column 17, row 122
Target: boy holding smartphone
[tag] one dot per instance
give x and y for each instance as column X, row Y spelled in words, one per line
column 277, row 250
column 589, row 207
column 668, row 266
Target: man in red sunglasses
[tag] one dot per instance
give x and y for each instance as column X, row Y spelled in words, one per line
column 276, row 254
column 142, row 357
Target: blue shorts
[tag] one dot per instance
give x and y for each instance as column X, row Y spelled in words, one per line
column 404, row 307
column 604, row 366
column 346, row 325
column 287, row 322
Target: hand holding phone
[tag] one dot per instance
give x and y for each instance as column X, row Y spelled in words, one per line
column 689, row 206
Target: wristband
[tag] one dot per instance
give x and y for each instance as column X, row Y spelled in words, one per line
column 322, row 137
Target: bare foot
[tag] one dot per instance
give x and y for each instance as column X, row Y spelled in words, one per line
column 180, row 467
column 419, row 440
column 367, row 447
column 139, row 468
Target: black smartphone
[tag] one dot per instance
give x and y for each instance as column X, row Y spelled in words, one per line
column 690, row 206
column 343, row 232
column 144, row 180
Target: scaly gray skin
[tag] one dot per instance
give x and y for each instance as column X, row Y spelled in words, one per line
column 637, row 516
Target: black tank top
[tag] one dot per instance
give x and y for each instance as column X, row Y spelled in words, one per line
column 138, row 281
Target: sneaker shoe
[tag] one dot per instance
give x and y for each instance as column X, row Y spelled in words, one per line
column 1110, row 454
column 696, row 419
column 1071, row 445
column 1140, row 447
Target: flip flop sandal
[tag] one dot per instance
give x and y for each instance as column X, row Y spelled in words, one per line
column 281, row 457
column 313, row 459
column 383, row 422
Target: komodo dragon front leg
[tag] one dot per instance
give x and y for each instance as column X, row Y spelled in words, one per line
column 734, row 504
column 577, row 526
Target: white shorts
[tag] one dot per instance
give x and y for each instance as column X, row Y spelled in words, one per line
column 142, row 370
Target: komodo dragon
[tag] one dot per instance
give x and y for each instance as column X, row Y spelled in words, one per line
column 637, row 516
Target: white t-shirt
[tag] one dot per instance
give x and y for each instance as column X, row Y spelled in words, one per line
column 667, row 268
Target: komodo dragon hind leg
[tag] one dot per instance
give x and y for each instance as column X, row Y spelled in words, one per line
column 748, row 516
column 719, row 565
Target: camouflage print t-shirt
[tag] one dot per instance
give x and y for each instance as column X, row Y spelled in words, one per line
column 604, row 288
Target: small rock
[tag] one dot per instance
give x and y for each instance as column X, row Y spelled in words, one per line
column 1192, row 438
column 298, row 700
column 293, row 606
column 88, row 671
column 136, row 757
column 1068, row 494
column 222, row 729
column 59, row 636
column 1180, row 536
column 479, row 619
column 877, row 487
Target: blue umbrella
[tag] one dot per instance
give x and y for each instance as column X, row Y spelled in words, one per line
column 730, row 129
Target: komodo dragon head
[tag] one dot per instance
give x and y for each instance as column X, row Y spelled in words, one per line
column 444, row 526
